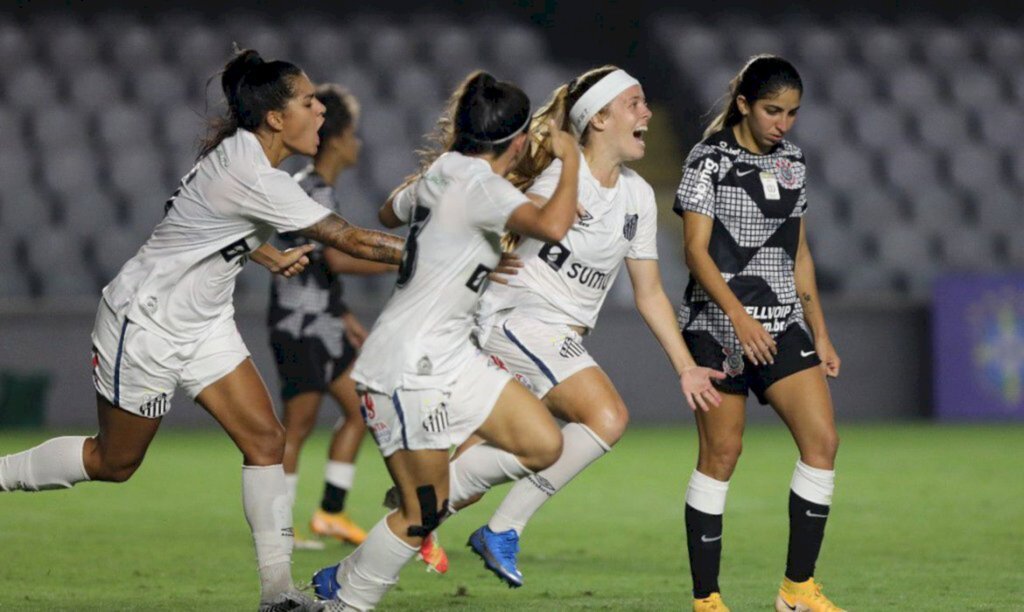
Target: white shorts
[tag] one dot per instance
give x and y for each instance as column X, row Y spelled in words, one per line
column 540, row 355
column 137, row 370
column 435, row 419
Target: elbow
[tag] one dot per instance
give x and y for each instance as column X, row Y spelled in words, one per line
column 554, row 231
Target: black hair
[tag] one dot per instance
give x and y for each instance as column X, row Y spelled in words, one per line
column 763, row 76
column 341, row 109
column 487, row 114
column 252, row 88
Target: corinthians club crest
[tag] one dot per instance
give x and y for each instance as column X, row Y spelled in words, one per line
column 733, row 363
column 629, row 227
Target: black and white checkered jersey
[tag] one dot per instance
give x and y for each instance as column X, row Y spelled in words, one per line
column 295, row 301
column 757, row 202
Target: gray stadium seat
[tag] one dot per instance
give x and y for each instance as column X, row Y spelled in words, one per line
column 57, row 258
column 95, row 88
column 112, row 249
column 16, row 169
column 513, row 47
column 1015, row 250
column 390, row 165
column 413, row 85
column 821, row 49
column 975, row 167
column 884, row 47
column 912, row 87
column 271, row 42
column 361, row 83
column 388, row 48
column 849, row 86
column 1017, row 168
column 57, row 126
column 942, row 127
column 200, row 45
column 713, row 85
column 88, row 213
column 136, row 47
column 1001, row 125
column 944, row 47
column 872, row 207
column 124, row 125
column 133, row 169
column 820, row 124
column 834, row 246
column 750, row 40
column 847, row 169
column 999, row 208
column 16, row 47
column 24, row 211
column 976, row 87
column 933, row 206
column 69, row 46
column 880, row 126
column 181, row 127
column 12, row 126
column 323, row 48
column 71, row 171
column 1002, row 47
column 968, row 249
column 383, row 125
column 909, row 167
column 145, row 208
column 453, row 51
column 541, row 80
column 907, row 248
column 868, row 279
column 31, row 87
column 160, row 87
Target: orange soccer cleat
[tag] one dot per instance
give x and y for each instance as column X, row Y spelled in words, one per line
column 336, row 525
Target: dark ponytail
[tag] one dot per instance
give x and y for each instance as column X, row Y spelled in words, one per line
column 252, row 88
column 763, row 76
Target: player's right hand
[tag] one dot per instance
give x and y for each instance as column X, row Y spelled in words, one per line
column 758, row 345
column 294, row 261
column 560, row 143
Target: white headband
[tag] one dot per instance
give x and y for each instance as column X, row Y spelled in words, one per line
column 602, row 92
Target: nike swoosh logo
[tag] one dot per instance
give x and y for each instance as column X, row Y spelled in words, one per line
column 741, row 173
column 813, row 515
column 788, row 607
column 707, row 540
column 806, row 353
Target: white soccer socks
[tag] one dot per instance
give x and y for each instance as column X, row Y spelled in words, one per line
column 580, row 447
column 813, row 484
column 268, row 510
column 340, row 474
column 54, row 464
column 291, row 482
column 373, row 568
column 478, row 469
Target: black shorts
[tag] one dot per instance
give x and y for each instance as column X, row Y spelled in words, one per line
column 796, row 353
column 304, row 364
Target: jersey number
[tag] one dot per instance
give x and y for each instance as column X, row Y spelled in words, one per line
column 407, row 267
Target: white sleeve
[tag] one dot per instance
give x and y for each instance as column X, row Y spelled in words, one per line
column 545, row 184
column 496, row 202
column 279, row 201
column 404, row 201
column 645, row 244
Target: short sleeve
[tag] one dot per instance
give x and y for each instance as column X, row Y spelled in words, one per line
column 645, row 244
column 404, row 201
column 280, row 202
column 697, row 188
column 497, row 200
column 545, row 184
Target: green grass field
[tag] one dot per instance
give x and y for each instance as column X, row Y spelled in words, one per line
column 925, row 518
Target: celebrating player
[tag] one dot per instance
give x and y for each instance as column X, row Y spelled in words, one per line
column 536, row 324
column 315, row 337
column 427, row 386
column 750, row 300
column 167, row 319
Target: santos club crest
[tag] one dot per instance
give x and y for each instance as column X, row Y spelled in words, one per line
column 629, row 227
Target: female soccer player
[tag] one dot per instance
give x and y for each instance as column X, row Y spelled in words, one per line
column 314, row 336
column 427, row 386
column 167, row 318
column 751, row 297
column 536, row 324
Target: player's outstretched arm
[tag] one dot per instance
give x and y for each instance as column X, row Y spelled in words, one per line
column 336, row 232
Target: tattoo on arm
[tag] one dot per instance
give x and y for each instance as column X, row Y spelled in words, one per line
column 336, row 232
column 807, row 297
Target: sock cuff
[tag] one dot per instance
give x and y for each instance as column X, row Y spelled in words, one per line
column 340, row 474
column 76, row 445
column 813, row 484
column 394, row 537
column 260, row 468
column 590, row 432
column 706, row 494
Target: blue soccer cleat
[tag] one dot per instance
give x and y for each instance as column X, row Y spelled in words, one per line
column 325, row 582
column 498, row 550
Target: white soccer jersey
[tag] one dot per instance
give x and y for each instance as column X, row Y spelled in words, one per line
column 457, row 213
column 180, row 283
column 566, row 282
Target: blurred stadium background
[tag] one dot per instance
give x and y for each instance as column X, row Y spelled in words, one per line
column 911, row 123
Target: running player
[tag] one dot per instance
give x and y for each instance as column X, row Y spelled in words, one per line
column 315, row 337
column 751, row 298
column 536, row 324
column 167, row 319
column 427, row 387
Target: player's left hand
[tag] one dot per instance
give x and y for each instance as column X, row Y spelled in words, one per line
column 830, row 360
column 695, row 382
column 354, row 330
column 508, row 266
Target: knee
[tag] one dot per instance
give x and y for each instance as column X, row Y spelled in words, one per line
column 721, row 456
column 823, row 452
column 102, row 467
column 609, row 421
column 264, row 447
column 544, row 451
